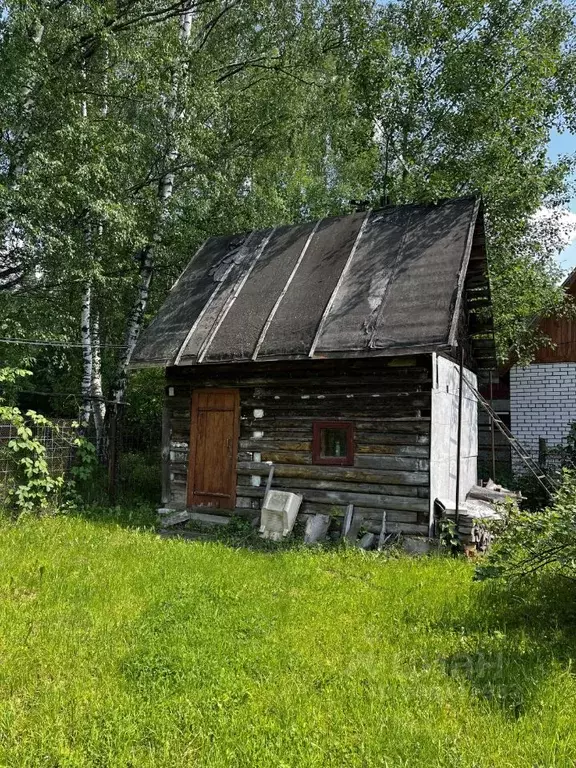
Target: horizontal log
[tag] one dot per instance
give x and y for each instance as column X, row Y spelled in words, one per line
column 321, row 472
column 407, row 528
column 398, row 402
column 338, row 511
column 339, row 390
column 381, row 424
column 335, row 485
column 287, row 457
column 177, row 497
column 271, row 444
column 389, row 438
column 255, row 444
column 413, row 451
column 374, row 516
column 344, row 497
column 391, row 462
column 178, row 407
column 332, row 374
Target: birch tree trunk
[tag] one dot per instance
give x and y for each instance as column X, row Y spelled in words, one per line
column 98, row 402
column 87, row 359
column 164, row 193
column 86, row 314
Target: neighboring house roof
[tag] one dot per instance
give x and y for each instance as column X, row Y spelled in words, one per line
column 570, row 283
column 386, row 282
column 561, row 330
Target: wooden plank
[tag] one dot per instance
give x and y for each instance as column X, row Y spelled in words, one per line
column 382, row 534
column 176, row 519
column 380, row 424
column 336, row 485
column 287, row 457
column 347, row 521
column 352, row 474
column 255, row 444
column 340, row 390
column 413, row 451
column 165, row 456
column 388, row 405
column 391, row 462
column 344, row 497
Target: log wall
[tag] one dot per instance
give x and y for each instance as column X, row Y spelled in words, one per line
column 388, row 400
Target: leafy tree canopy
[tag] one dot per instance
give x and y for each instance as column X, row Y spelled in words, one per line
column 134, row 129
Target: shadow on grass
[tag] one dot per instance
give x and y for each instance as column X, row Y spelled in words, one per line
column 513, row 637
column 141, row 515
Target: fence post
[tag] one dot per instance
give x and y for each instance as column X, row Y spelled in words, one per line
column 542, row 452
column 113, row 453
column 165, row 453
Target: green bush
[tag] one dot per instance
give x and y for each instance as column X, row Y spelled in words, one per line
column 139, row 477
column 528, row 541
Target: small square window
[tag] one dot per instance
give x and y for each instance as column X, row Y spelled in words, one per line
column 333, row 442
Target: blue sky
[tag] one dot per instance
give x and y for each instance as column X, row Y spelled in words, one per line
column 563, row 144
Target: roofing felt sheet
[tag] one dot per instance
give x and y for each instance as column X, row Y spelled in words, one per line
column 299, row 314
column 357, row 284
column 243, row 325
column 163, row 337
column 420, row 303
column 227, row 276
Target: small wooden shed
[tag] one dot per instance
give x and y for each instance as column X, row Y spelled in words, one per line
column 332, row 349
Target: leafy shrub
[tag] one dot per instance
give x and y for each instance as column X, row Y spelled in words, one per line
column 30, row 483
column 139, row 477
column 528, row 541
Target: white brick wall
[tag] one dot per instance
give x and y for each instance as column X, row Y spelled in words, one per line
column 542, row 404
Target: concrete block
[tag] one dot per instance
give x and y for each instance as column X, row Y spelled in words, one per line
column 316, row 528
column 417, row 545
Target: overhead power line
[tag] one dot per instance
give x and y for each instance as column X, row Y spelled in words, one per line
column 69, row 344
column 78, row 395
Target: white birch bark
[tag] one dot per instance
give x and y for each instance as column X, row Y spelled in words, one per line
column 86, row 319
column 165, row 192
column 98, row 402
column 87, row 360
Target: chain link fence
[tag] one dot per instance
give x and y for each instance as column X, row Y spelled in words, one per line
column 58, row 441
column 127, row 470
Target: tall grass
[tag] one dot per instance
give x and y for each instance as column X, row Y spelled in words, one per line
column 121, row 649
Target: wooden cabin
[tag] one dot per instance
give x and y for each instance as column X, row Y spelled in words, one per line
column 332, row 349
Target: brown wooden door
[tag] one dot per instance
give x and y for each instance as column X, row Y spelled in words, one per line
column 213, row 448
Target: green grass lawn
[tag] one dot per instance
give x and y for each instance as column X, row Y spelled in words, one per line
column 118, row 648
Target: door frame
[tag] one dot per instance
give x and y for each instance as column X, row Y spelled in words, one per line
column 193, row 448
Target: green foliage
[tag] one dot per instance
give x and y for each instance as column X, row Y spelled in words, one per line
column 121, row 649
column 31, row 485
column 139, row 477
column 565, row 454
column 282, row 112
column 449, row 535
column 465, row 95
column 532, row 541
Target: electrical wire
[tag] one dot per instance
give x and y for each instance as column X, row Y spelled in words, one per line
column 70, row 344
column 96, row 398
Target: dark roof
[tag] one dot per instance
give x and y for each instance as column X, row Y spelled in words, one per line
column 381, row 282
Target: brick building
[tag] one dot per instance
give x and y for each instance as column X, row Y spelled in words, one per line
column 543, row 394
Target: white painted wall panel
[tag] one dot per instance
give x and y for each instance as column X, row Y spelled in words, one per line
column 444, row 432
